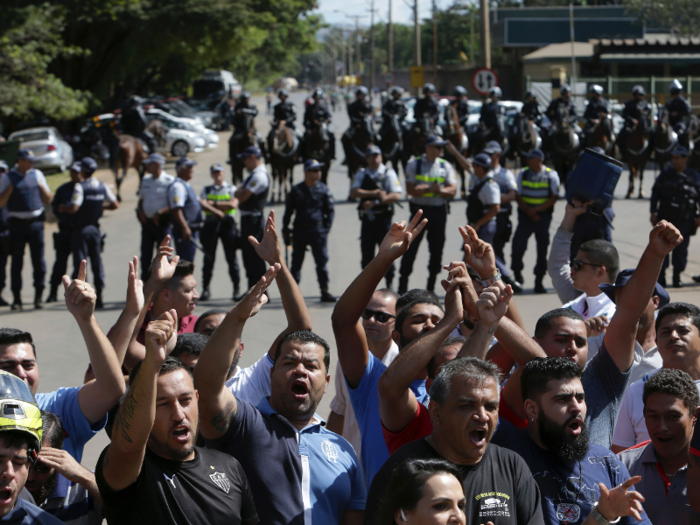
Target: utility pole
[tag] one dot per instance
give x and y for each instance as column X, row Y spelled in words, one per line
column 350, row 70
column 371, row 53
column 417, row 38
column 435, row 46
column 471, row 38
column 485, row 35
column 390, row 27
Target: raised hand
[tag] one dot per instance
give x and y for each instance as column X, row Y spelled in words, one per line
column 493, row 303
column 457, row 275
column 162, row 270
column 453, row 300
column 269, row 247
column 134, row 289
column 577, row 208
column 596, row 325
column 158, row 334
column 80, row 297
column 63, row 462
column 255, row 298
column 620, row 501
column 400, row 236
column 664, row 237
column 477, row 253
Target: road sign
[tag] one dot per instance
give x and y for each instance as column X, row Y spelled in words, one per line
column 483, row 80
column 416, row 76
column 389, row 78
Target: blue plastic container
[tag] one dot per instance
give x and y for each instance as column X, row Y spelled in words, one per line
column 594, row 180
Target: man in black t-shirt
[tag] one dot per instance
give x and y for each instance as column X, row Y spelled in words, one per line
column 463, row 408
column 152, row 472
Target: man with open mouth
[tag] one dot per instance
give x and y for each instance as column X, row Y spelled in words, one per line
column 152, row 472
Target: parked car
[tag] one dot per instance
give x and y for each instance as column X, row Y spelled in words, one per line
column 179, row 107
column 189, row 124
column 52, row 152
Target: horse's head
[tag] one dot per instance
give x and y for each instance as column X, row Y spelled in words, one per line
column 563, row 117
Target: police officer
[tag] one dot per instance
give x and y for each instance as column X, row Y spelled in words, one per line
column 90, row 198
column 185, row 210
column 461, row 105
column 357, row 112
column 62, row 200
column 284, row 112
column 637, row 109
column 316, row 114
column 426, row 106
column 219, row 207
column 538, row 190
column 531, row 108
column 252, row 198
column 311, row 203
column 675, row 197
column 484, row 199
column 394, row 106
column 431, row 183
column 5, row 248
column 243, row 108
column 678, row 111
column 153, row 210
column 597, row 108
column 564, row 100
column 25, row 192
column 378, row 188
column 491, row 110
column 134, row 122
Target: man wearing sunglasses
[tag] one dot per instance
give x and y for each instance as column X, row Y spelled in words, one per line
column 378, row 321
column 577, row 284
column 312, row 205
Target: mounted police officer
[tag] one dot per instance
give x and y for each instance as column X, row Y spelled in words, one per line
column 252, row 198
column 565, row 101
column 636, row 110
column 311, row 203
column 675, row 197
column 62, row 200
column 491, row 110
column 426, row 106
column 284, row 112
column 357, row 112
column 90, row 198
column 243, row 109
column 431, row 183
column 219, row 207
column 678, row 112
column 5, row 247
column 394, row 107
column 317, row 114
column 185, row 210
column 538, row 190
column 598, row 107
column 531, row 108
column 25, row 192
column 378, row 188
column 134, row 122
column 461, row 105
column 153, row 211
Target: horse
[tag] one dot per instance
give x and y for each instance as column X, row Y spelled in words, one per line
column 525, row 138
column 565, row 143
column 283, row 144
column 665, row 138
column 635, row 149
column 157, row 129
column 363, row 136
column 600, row 135
column 455, row 134
column 417, row 136
column 390, row 141
column 130, row 154
column 240, row 141
column 317, row 145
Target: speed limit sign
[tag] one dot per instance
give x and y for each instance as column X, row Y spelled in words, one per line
column 483, row 80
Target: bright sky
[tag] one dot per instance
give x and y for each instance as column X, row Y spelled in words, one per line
column 402, row 13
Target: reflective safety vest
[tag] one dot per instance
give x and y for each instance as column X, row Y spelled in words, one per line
column 535, row 193
column 429, row 178
column 214, row 195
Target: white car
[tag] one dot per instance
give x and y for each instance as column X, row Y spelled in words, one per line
column 179, row 142
column 50, row 150
column 188, row 124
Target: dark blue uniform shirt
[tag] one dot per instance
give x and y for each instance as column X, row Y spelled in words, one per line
column 314, row 207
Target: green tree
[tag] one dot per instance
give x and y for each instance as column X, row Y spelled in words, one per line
column 681, row 17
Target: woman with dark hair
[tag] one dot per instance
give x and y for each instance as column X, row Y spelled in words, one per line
column 423, row 492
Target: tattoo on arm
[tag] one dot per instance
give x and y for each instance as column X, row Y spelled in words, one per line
column 122, row 422
column 222, row 420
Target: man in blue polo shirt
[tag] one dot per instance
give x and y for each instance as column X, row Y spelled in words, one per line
column 83, row 410
column 299, row 472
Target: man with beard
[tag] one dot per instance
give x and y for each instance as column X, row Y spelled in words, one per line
column 579, row 482
column 299, row 471
column 464, row 410
column 152, row 472
column 59, row 484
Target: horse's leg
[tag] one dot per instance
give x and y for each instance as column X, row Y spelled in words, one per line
column 642, row 164
column 633, row 172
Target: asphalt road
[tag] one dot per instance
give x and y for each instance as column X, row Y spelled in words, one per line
column 61, row 351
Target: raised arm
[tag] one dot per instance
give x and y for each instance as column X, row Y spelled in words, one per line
column 558, row 263
column 121, row 332
column 97, row 397
column 69, row 468
column 397, row 403
column 492, row 307
column 353, row 352
column 217, row 405
column 295, row 309
column 132, row 427
column 622, row 330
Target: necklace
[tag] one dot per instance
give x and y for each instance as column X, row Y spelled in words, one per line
column 571, row 512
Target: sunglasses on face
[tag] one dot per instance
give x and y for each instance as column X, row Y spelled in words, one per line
column 380, row 317
column 578, row 264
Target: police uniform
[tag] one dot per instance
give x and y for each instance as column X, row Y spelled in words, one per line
column 5, row 251
column 553, row 109
column 675, row 197
column 62, row 238
column 394, row 107
column 678, row 110
column 239, row 119
column 86, row 239
column 153, row 195
column 595, row 107
column 483, row 193
column 313, row 209
column 462, row 108
column 26, row 215
column 358, row 111
column 253, row 221
column 287, row 112
column 181, row 195
column 531, row 110
column 424, row 105
column 224, row 229
column 422, row 171
column 316, row 112
column 504, row 227
column 489, row 114
column 377, row 221
column 534, row 189
column 636, row 109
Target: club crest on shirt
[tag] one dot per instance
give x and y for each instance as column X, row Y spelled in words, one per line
column 330, row 450
column 221, row 481
column 568, row 512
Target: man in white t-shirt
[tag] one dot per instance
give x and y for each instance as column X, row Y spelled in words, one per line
column 678, row 340
column 378, row 322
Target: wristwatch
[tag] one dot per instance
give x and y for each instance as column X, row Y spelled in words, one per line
column 488, row 282
column 600, row 518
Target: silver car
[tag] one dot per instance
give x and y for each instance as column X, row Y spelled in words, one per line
column 52, row 152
